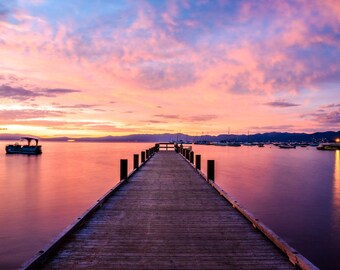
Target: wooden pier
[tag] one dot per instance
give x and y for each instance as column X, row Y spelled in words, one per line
column 165, row 216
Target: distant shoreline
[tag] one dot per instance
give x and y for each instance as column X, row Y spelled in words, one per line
column 259, row 137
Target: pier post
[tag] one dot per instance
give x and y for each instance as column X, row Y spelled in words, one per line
column 192, row 157
column 211, row 170
column 187, row 153
column 198, row 162
column 147, row 153
column 135, row 161
column 123, row 169
column 143, row 156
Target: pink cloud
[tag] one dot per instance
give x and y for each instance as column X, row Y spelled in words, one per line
column 263, row 50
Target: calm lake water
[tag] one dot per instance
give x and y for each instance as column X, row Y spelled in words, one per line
column 296, row 192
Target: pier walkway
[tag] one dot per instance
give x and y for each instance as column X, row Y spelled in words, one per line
column 166, row 216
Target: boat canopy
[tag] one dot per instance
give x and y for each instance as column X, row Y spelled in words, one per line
column 29, row 139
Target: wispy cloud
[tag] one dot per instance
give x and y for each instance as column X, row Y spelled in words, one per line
column 58, row 91
column 330, row 106
column 273, row 128
column 281, row 104
column 152, row 121
column 194, row 118
column 167, row 116
column 76, row 106
column 202, row 118
column 26, row 114
column 325, row 118
column 20, row 93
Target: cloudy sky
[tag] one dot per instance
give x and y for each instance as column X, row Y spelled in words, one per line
column 116, row 67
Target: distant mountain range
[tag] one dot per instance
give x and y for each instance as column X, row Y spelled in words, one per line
column 259, row 137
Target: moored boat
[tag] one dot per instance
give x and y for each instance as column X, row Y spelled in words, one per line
column 227, row 143
column 248, row 144
column 313, row 144
column 287, row 146
column 234, row 144
column 27, row 149
column 202, row 142
column 328, row 146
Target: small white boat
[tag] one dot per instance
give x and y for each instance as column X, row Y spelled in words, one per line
column 248, row 144
column 225, row 143
column 287, row 146
column 27, row 149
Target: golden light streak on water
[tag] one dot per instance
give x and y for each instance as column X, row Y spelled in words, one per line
column 336, row 191
column 337, row 178
column 337, row 166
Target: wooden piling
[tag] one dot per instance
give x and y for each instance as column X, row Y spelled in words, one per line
column 123, row 169
column 135, row 161
column 198, row 162
column 187, row 154
column 192, row 157
column 211, row 170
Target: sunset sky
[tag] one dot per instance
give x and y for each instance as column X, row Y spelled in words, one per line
column 116, row 67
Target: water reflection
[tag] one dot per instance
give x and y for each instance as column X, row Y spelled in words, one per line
column 292, row 192
column 296, row 193
column 336, row 197
column 41, row 195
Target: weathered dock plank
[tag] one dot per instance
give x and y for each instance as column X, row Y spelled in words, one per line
column 167, row 217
